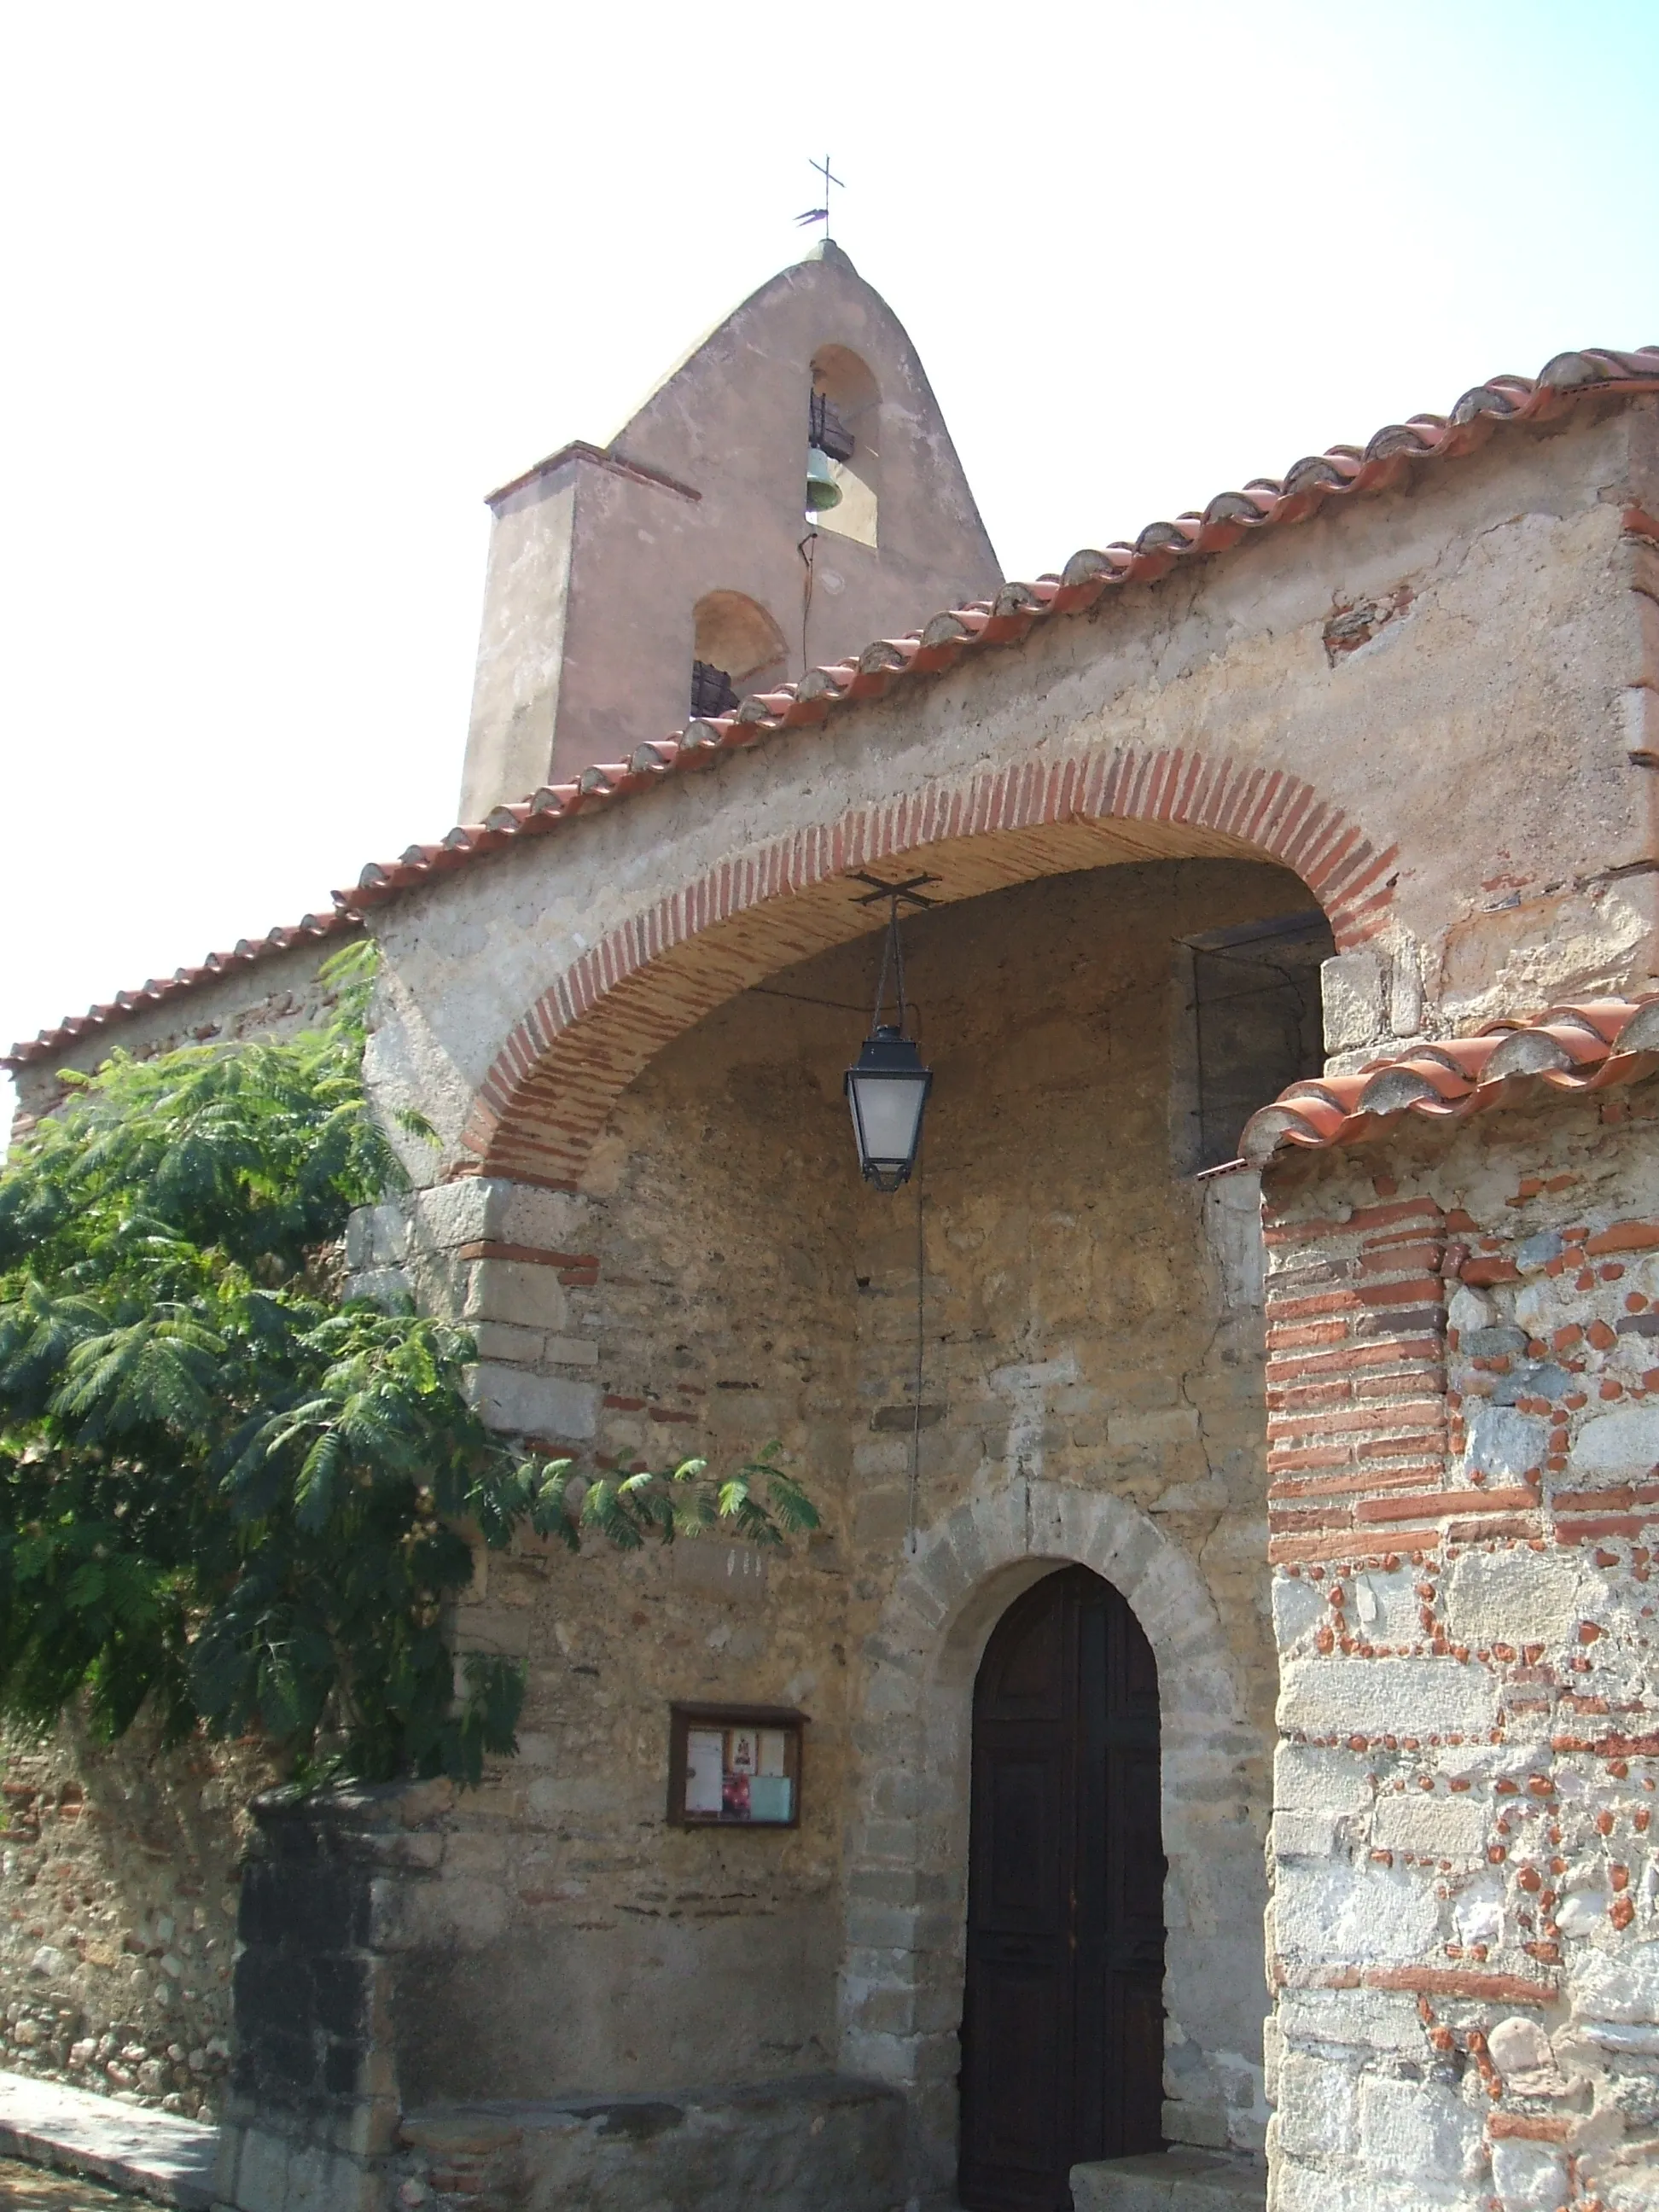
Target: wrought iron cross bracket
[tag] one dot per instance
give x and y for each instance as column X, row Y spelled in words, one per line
column 910, row 891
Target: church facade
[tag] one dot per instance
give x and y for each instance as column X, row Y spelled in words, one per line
column 1211, row 1744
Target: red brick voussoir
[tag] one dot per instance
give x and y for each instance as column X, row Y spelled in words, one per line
column 600, row 1020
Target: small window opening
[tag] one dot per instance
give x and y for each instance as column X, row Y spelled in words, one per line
column 1254, row 1023
column 712, row 691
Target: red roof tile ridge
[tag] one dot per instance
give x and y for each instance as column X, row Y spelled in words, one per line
column 1574, row 1048
column 247, row 952
column 1264, row 502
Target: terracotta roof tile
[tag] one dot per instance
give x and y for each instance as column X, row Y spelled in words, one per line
column 247, row 952
column 1572, row 1049
column 1087, row 577
column 1265, row 503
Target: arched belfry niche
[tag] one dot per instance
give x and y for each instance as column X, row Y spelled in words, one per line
column 733, row 639
column 697, row 943
column 907, row 1867
column 845, row 422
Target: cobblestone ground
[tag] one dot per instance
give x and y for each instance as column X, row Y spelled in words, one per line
column 38, row 2189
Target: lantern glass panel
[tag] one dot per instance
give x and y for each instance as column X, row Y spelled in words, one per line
column 886, row 1112
column 887, row 1091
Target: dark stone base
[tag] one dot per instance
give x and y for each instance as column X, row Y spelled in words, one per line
column 791, row 2146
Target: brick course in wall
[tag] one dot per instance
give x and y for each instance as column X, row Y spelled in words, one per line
column 1464, row 1446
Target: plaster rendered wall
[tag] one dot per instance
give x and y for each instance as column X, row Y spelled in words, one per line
column 1485, row 730
column 1465, row 1433
column 515, row 686
column 595, row 569
column 1090, row 1332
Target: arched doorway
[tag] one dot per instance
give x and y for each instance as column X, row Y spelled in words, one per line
column 1062, row 2027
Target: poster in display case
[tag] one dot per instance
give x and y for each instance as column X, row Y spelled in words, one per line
column 734, row 1767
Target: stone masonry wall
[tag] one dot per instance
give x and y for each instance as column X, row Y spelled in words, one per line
column 722, row 1277
column 118, row 1883
column 691, row 1299
column 527, row 981
column 1464, row 1410
column 1091, row 1329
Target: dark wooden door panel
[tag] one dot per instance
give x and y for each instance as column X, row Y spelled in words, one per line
column 1023, row 1809
column 1017, row 2037
column 1027, row 1676
column 1138, row 2081
column 1063, row 2020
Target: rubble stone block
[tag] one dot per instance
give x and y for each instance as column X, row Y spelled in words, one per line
column 1376, row 1696
column 1339, row 1912
column 1353, row 997
column 1419, row 2130
column 1528, row 2177
column 548, row 1407
column 1514, row 1596
column 1430, row 1827
column 521, row 1292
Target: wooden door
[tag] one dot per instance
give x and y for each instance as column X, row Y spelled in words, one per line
column 1062, row 2028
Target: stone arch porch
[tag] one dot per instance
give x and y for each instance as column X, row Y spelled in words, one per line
column 901, row 1978
column 567, row 1059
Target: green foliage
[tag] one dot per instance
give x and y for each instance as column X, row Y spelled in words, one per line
column 224, row 1491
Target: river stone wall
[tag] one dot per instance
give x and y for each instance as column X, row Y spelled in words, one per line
column 1463, row 1385
column 119, row 1872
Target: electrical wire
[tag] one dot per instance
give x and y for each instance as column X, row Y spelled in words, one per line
column 911, row 1538
column 808, row 550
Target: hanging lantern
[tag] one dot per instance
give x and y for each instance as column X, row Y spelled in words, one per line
column 822, row 492
column 887, row 1089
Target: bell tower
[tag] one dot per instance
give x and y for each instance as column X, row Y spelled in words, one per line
column 787, row 493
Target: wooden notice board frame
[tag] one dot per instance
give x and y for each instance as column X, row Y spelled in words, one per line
column 731, row 1721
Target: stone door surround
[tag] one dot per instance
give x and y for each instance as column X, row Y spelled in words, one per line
column 901, row 1996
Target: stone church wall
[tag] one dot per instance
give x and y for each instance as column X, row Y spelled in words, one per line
column 1464, row 1407
column 691, row 1300
column 119, row 1877
column 526, row 981
column 1089, row 1325
column 1091, row 1332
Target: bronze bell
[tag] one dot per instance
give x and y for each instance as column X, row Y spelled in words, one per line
column 822, row 491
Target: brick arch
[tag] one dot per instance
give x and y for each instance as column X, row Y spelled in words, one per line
column 907, row 1858
column 568, row 1058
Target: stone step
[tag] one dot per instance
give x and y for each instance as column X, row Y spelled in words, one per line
column 1169, row 2181
column 131, row 2146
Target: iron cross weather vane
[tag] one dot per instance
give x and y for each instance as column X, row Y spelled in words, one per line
column 821, row 214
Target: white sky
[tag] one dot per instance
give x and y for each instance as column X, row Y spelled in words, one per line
column 286, row 290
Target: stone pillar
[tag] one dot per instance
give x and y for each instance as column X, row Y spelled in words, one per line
column 1464, row 1442
column 313, row 2108
column 513, row 1264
